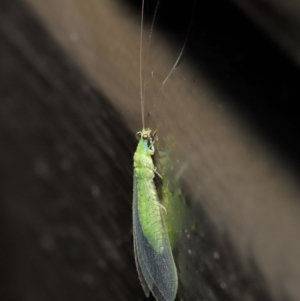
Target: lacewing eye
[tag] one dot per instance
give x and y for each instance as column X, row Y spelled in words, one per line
column 138, row 135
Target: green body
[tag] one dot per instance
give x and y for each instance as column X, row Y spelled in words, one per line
column 148, row 207
column 154, row 259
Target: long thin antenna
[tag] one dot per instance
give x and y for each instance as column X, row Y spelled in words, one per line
column 143, row 78
column 148, row 49
column 141, row 66
column 143, row 74
column 179, row 56
column 181, row 51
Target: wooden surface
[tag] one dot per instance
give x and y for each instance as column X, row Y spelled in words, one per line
column 66, row 151
column 59, row 198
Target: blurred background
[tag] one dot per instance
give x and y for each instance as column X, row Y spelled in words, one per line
column 69, row 111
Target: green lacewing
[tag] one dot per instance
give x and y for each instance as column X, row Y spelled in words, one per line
column 152, row 224
column 153, row 254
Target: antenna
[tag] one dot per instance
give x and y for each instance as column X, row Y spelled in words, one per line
column 143, row 73
column 143, row 76
column 181, row 51
column 141, row 66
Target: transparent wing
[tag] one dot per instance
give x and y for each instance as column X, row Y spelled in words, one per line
column 156, row 270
